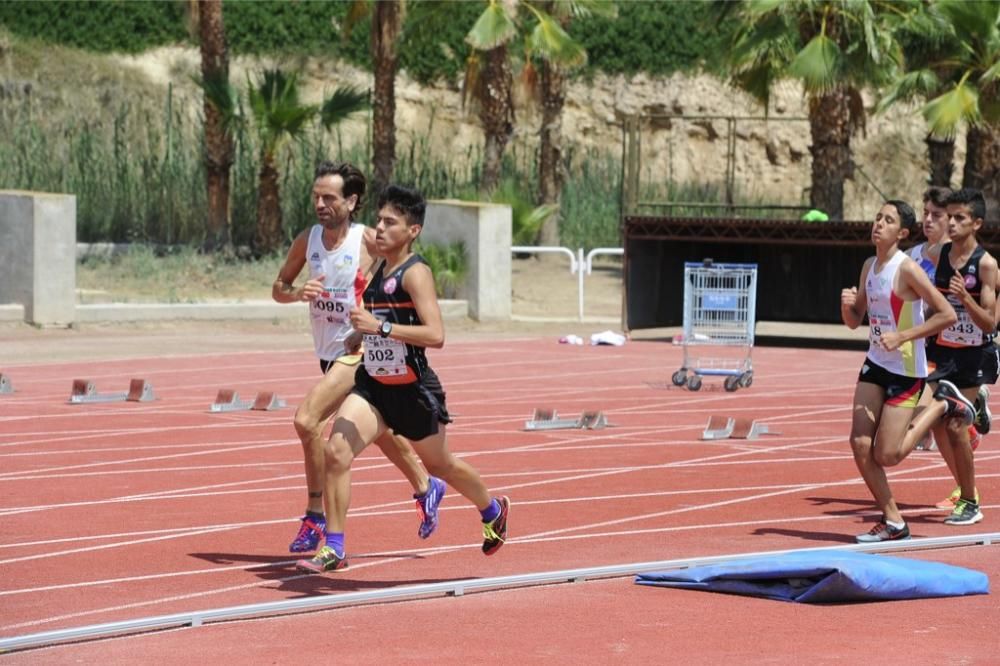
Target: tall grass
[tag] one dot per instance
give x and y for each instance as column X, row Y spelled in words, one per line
column 139, row 175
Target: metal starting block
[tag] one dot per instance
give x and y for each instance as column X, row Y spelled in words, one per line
column 84, row 391
column 726, row 427
column 548, row 419
column 228, row 400
column 5, row 385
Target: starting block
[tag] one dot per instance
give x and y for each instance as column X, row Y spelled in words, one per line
column 726, row 427
column 548, row 419
column 228, row 400
column 84, row 391
column 718, row 427
column 5, row 385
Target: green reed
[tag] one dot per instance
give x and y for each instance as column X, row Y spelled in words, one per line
column 139, row 176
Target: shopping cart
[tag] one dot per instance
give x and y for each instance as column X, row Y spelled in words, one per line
column 720, row 304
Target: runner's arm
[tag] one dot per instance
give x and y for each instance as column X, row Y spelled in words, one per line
column 284, row 290
column 854, row 300
column 982, row 312
column 418, row 281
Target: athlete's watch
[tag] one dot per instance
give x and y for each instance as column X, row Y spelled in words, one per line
column 385, row 328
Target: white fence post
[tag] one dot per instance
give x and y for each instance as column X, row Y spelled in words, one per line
column 578, row 264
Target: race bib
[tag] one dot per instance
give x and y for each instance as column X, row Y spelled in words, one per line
column 384, row 357
column 333, row 304
column 877, row 325
column 963, row 333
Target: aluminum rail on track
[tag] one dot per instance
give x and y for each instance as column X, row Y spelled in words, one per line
column 452, row 588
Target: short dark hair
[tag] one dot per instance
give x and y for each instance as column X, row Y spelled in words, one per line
column 410, row 203
column 907, row 218
column 972, row 198
column 354, row 180
column 937, row 195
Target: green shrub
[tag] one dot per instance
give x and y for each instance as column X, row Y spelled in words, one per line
column 449, row 265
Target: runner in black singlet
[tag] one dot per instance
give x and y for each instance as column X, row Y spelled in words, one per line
column 395, row 387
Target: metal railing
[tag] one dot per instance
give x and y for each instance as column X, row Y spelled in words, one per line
column 578, row 262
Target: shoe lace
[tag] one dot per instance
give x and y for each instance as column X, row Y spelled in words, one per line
column 960, row 507
column 325, row 554
column 306, row 529
column 878, row 528
column 489, row 533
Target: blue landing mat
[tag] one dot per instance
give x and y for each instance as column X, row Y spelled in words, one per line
column 823, row 576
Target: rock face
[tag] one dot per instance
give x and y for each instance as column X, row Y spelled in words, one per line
column 694, row 123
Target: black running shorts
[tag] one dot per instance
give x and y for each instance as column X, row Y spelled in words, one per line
column 900, row 390
column 966, row 367
column 411, row 410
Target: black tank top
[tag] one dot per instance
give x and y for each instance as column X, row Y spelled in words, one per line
column 386, row 298
column 964, row 333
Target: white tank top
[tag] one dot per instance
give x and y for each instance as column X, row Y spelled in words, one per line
column 329, row 313
column 888, row 312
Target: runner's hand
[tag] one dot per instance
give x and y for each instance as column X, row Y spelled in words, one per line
column 849, row 297
column 956, row 287
column 364, row 321
column 352, row 343
column 313, row 288
column 890, row 340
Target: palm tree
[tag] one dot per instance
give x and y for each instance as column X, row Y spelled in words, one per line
column 279, row 117
column 387, row 23
column 219, row 149
column 950, row 51
column 834, row 49
column 387, row 26
column 559, row 53
column 490, row 79
column 971, row 79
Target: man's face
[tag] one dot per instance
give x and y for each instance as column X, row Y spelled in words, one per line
column 886, row 228
column 332, row 209
column 961, row 224
column 935, row 222
column 392, row 231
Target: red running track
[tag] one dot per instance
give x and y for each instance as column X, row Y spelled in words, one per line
column 116, row 511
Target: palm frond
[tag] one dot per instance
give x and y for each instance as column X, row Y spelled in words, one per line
column 946, row 112
column 495, row 26
column 584, row 8
column 342, row 103
column 920, row 83
column 553, row 43
column 818, row 65
column 226, row 100
column 976, row 19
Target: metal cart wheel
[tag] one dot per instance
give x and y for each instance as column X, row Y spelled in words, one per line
column 694, row 383
column 732, row 383
column 679, row 377
column 746, row 379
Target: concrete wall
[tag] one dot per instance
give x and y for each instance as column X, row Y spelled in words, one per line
column 486, row 231
column 38, row 255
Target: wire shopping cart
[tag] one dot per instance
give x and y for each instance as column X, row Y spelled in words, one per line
column 720, row 305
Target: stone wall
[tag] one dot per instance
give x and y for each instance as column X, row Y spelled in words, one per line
column 771, row 156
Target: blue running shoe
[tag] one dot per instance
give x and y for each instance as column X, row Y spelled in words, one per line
column 427, row 506
column 310, row 534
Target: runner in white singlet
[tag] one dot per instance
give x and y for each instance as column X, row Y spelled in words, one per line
column 340, row 256
column 892, row 377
